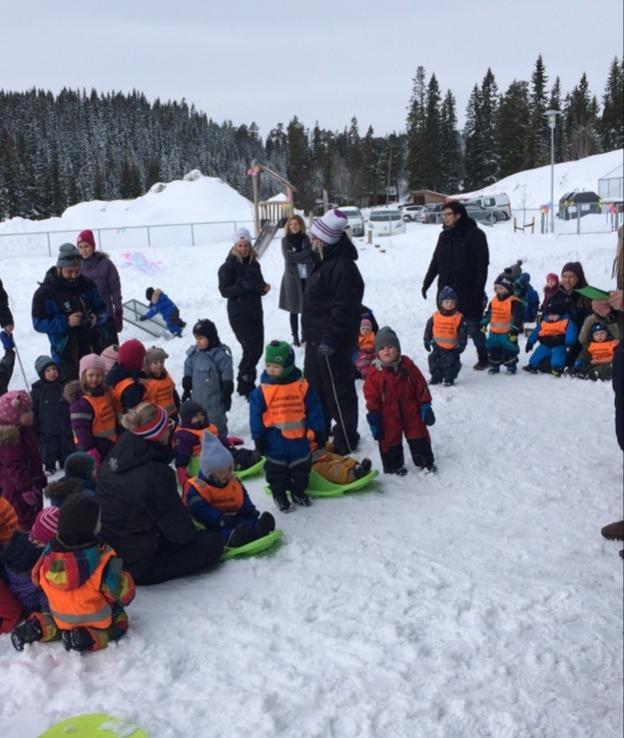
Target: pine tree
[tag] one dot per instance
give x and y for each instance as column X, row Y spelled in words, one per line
column 299, row 164
column 472, row 135
column 488, row 140
column 555, row 104
column 430, row 156
column 450, row 153
column 612, row 120
column 415, row 131
column 581, row 121
column 512, row 127
column 372, row 182
column 537, row 151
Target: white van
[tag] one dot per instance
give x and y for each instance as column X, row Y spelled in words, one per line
column 499, row 202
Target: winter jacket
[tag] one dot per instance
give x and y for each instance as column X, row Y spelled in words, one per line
column 6, row 318
column 332, row 300
column 51, row 411
column 210, row 514
column 279, row 448
column 53, row 302
column 577, row 307
column 7, row 364
column 141, row 507
column 17, row 559
column 132, row 393
column 212, row 377
column 163, row 305
column 101, row 270
column 610, row 323
column 10, row 607
column 21, row 472
column 396, row 393
column 566, row 338
column 242, row 283
column 82, row 416
column 298, row 263
column 460, row 260
column 187, row 443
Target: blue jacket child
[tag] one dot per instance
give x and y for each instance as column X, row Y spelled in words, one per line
column 556, row 335
column 160, row 303
column 219, row 501
column 530, row 298
column 282, row 411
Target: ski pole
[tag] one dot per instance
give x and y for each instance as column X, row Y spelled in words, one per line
column 340, row 418
column 19, row 361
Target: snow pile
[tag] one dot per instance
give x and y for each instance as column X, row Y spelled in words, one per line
column 478, row 602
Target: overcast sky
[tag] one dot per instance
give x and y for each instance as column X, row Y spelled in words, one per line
column 322, row 60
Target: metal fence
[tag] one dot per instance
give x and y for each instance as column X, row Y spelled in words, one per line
column 537, row 221
column 123, row 237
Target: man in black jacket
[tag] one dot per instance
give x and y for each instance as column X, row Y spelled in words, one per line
column 460, row 261
column 331, row 322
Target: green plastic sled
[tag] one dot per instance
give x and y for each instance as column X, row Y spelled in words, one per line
column 254, row 547
column 320, row 487
column 193, row 468
column 94, row 725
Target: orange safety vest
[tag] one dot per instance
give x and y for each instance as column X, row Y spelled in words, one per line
column 159, row 391
column 553, row 328
column 228, row 499
column 602, row 352
column 199, row 435
column 116, row 394
column 445, row 329
column 103, row 423
column 366, row 343
column 84, row 606
column 501, row 314
column 285, row 405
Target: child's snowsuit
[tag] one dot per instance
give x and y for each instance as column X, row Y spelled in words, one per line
column 209, row 376
column 333, row 467
column 86, row 588
column 21, row 472
column 365, row 354
column 17, row 559
column 281, row 411
column 596, row 360
column 51, row 421
column 505, row 318
column 169, row 311
column 394, row 397
column 555, row 340
column 92, row 418
column 447, row 331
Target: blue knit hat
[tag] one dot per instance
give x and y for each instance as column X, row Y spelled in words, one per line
column 447, row 293
column 598, row 327
column 214, row 455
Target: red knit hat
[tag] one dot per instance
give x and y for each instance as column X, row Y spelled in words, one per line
column 8, row 521
column 13, row 405
column 86, row 237
column 131, row 355
column 45, row 526
column 552, row 277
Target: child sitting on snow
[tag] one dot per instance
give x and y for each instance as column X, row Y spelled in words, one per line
column 281, row 411
column 219, row 501
column 160, row 303
column 556, row 335
column 338, row 469
column 366, row 349
column 160, row 388
column 84, row 583
column 504, row 316
column 398, row 403
column 596, row 359
column 447, row 331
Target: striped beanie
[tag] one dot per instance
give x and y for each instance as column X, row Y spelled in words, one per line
column 330, row 227
column 8, row 521
column 155, row 428
column 45, row 526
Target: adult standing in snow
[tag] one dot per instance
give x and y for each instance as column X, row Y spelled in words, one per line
column 143, row 517
column 97, row 266
column 298, row 263
column 68, row 308
column 242, row 283
column 460, row 260
column 332, row 304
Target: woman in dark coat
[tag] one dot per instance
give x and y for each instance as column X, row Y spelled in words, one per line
column 242, row 283
column 460, row 261
column 143, row 517
column 298, row 262
column 332, row 304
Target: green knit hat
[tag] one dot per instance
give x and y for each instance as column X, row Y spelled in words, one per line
column 281, row 353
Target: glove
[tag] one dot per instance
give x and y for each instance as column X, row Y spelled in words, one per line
column 374, row 423
column 423, row 292
column 7, row 341
column 260, row 444
column 426, row 414
column 513, row 337
column 529, row 347
column 427, row 346
column 95, row 454
column 227, row 403
column 320, row 438
column 227, row 389
column 484, row 328
column 32, row 497
column 182, row 476
column 142, row 318
column 327, row 346
column 118, row 321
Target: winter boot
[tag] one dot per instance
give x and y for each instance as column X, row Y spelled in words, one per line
column 265, row 524
column 510, row 368
column 448, row 382
column 300, row 498
column 400, row 471
column 241, row 535
column 481, row 365
column 494, row 369
column 281, row 500
column 361, row 470
column 296, row 341
column 431, row 469
column 614, row 531
column 530, row 369
column 77, row 639
column 435, row 380
column 27, row 632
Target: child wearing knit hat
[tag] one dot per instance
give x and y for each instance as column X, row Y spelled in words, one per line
column 550, row 288
column 219, row 501
column 51, row 415
column 160, row 303
column 556, row 335
column 505, row 316
column 84, row 582
column 91, row 410
column 282, row 410
column 21, row 470
column 160, row 387
column 398, row 404
column 126, row 378
column 596, row 359
column 366, row 349
column 445, row 333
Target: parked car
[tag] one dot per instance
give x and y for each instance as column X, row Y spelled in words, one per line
column 411, row 212
column 484, row 215
column 385, row 222
column 356, row 221
column 431, row 213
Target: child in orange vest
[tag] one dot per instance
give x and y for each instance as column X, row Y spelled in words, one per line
column 160, row 388
column 281, row 411
column 504, row 315
column 366, row 348
column 219, row 501
column 446, row 330
column 596, row 359
column 126, row 378
column 83, row 580
column 91, row 411
column 556, row 335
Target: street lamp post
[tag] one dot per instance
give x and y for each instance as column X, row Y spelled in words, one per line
column 552, row 122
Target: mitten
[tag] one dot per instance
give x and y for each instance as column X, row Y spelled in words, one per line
column 513, row 337
column 260, row 444
column 327, row 346
column 182, row 476
column 374, row 423
column 187, row 386
column 228, row 389
column 142, row 318
column 118, row 321
column 426, row 414
column 484, row 327
column 7, row 341
column 95, row 454
column 427, row 346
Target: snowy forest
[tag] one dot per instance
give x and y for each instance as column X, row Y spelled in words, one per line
column 57, row 150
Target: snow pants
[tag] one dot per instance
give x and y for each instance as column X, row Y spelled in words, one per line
column 444, row 364
column 284, row 476
column 175, row 324
column 55, row 448
column 249, row 333
column 6, row 370
column 420, row 450
column 501, row 350
column 546, row 358
column 101, row 636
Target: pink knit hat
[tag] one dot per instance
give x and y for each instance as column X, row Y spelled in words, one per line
column 330, row 227
column 13, row 405
column 91, row 361
column 45, row 526
column 110, row 356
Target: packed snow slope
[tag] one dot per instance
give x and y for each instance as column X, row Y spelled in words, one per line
column 531, row 188
column 481, row 601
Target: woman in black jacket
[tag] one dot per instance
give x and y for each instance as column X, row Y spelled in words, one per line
column 242, row 283
column 298, row 263
column 143, row 517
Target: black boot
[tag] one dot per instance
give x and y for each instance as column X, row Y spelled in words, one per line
column 265, row 524
column 240, row 535
column 77, row 639
column 27, row 632
column 281, row 500
column 300, row 498
column 296, row 341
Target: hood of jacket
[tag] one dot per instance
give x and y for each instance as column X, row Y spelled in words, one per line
column 9, row 435
column 344, row 247
column 131, row 452
column 19, row 553
column 66, row 568
column 463, row 226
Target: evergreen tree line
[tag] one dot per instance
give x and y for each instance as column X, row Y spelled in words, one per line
column 58, row 150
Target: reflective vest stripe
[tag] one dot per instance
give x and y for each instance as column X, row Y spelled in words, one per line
column 73, row 620
column 445, row 329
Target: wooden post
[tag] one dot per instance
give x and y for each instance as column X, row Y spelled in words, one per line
column 369, row 237
column 254, row 185
column 533, row 225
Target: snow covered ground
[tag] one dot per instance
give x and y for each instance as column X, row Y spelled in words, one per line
column 478, row 602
